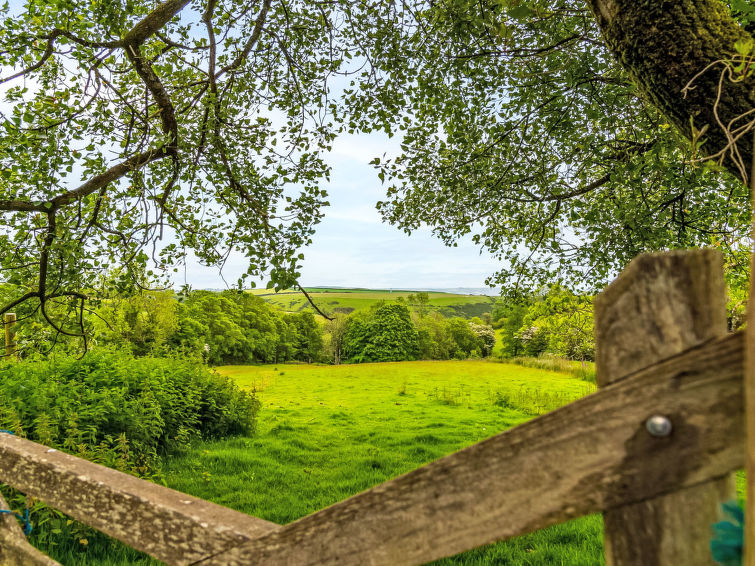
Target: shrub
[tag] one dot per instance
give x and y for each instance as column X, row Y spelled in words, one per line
column 535, row 340
column 485, row 336
column 463, row 336
column 581, row 369
column 384, row 333
column 117, row 411
column 434, row 337
column 143, row 407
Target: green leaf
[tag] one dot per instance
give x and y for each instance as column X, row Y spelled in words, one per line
column 520, row 12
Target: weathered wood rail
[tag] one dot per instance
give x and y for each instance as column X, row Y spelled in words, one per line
column 660, row 352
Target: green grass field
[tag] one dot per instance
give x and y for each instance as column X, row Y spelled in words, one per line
column 348, row 300
column 328, row 432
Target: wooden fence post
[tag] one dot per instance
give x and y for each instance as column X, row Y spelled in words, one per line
column 661, row 305
column 9, row 322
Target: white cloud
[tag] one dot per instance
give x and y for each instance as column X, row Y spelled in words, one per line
column 354, row 248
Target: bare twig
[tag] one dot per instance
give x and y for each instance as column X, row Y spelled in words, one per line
column 311, row 302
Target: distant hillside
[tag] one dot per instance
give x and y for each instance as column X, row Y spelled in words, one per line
column 332, row 300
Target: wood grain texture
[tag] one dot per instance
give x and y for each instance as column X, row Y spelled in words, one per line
column 661, row 305
column 15, row 549
column 171, row 526
column 591, row 455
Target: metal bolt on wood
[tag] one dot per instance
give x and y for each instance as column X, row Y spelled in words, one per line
column 659, row 426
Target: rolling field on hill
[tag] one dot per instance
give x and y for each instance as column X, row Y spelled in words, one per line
column 348, row 300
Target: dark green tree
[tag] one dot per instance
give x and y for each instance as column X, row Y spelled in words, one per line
column 508, row 315
column 144, row 321
column 465, row 339
column 335, row 331
column 219, row 319
column 383, row 333
column 534, row 339
column 232, row 327
column 307, row 336
column 434, row 335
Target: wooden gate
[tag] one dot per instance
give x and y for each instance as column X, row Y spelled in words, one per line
column 654, row 450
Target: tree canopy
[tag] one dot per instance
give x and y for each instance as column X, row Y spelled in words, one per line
column 526, row 133
column 134, row 132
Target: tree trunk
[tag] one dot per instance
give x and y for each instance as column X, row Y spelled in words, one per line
column 663, row 45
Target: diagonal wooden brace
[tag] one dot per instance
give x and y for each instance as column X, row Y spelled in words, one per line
column 172, row 526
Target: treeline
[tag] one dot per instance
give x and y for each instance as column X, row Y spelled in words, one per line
column 229, row 327
column 554, row 321
column 233, row 327
column 560, row 322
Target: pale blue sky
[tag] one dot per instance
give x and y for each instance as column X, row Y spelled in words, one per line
column 354, row 248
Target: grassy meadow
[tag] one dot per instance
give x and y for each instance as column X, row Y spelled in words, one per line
column 328, row 432
column 348, row 300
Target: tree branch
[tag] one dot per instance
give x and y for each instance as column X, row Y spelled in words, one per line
column 153, row 22
column 95, row 183
column 158, row 92
column 256, row 32
column 311, row 302
column 114, row 173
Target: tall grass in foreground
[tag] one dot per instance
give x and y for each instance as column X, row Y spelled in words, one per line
column 580, row 369
column 530, row 401
column 535, row 401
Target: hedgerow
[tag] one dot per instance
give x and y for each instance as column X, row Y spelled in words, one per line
column 115, row 410
column 145, row 406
